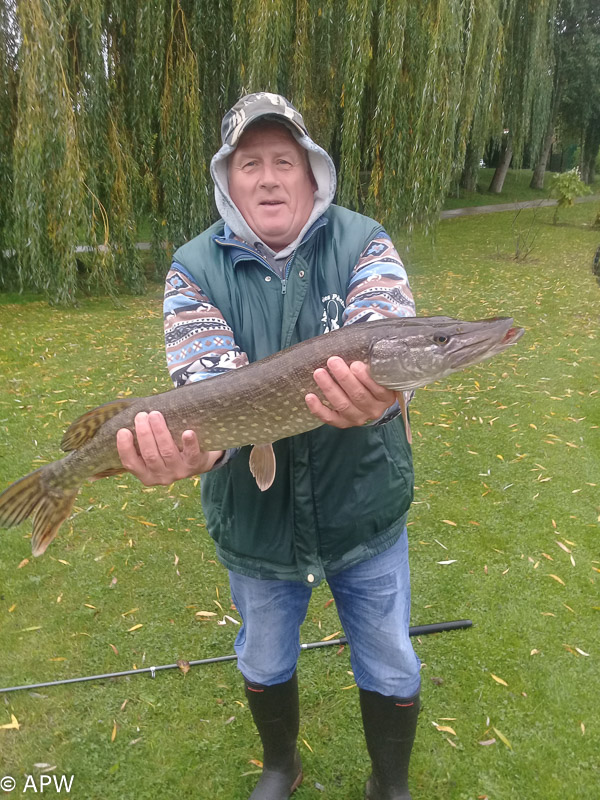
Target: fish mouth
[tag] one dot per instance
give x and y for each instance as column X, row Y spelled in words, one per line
column 512, row 335
column 481, row 343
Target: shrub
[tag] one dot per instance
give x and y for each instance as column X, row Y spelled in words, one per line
column 566, row 186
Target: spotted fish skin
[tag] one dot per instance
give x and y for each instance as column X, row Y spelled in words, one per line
column 254, row 405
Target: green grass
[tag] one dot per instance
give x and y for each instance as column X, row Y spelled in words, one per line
column 508, row 452
column 515, row 190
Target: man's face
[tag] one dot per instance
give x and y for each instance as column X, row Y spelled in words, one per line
column 271, row 184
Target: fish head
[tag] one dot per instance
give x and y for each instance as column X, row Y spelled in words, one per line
column 423, row 353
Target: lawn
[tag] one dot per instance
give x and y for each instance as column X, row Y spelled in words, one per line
column 507, row 459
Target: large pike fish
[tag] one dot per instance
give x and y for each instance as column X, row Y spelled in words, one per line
column 254, row 405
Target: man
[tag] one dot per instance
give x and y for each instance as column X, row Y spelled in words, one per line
column 282, row 265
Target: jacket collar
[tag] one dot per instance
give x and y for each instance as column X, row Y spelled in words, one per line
column 241, row 250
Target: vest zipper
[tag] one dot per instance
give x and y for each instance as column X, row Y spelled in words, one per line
column 286, row 273
column 258, row 257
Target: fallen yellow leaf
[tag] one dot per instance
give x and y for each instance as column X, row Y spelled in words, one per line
column 503, row 738
column 556, row 578
column 307, row 744
column 445, row 728
column 331, row 636
column 12, row 725
column 113, row 735
column 135, row 628
column 498, row 680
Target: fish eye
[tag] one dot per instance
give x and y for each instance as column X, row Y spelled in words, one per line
column 440, row 338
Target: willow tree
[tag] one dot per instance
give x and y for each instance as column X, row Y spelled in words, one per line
column 143, row 100
column 183, row 167
column 109, row 173
column 262, row 33
column 525, row 89
column 8, row 84
column 119, row 107
column 425, row 72
column 477, row 121
column 48, row 193
column 580, row 101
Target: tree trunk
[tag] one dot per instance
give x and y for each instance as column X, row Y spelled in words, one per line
column 501, row 170
column 468, row 179
column 537, row 179
column 589, row 150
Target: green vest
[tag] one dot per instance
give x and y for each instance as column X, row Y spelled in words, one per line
column 339, row 496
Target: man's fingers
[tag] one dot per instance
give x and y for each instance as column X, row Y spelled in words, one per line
column 127, row 452
column 334, row 393
column 191, row 447
column 361, row 371
column 146, row 439
column 162, row 443
column 326, row 415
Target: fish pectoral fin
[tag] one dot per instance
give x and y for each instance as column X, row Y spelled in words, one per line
column 262, row 465
column 49, row 515
column 404, row 411
column 107, row 473
column 85, row 427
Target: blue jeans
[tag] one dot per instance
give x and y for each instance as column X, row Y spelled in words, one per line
column 373, row 602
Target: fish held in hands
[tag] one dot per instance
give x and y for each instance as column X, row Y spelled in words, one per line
column 254, row 405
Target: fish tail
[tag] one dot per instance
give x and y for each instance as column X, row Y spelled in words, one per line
column 50, row 508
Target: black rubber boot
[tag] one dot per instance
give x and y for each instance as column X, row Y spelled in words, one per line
column 390, row 725
column 276, row 714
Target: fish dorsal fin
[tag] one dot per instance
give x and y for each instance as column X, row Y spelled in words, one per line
column 86, row 427
column 262, row 465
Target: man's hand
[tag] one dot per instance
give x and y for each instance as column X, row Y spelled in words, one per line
column 160, row 460
column 354, row 396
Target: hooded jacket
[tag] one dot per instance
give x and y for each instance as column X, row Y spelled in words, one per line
column 339, row 496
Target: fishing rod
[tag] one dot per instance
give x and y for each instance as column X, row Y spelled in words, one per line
column 417, row 630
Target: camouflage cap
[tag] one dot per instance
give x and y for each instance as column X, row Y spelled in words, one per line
column 253, row 106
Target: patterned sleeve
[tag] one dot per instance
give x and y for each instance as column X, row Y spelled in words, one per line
column 379, row 286
column 198, row 339
column 378, row 289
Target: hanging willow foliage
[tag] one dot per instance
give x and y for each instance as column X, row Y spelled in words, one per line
column 358, row 52
column 413, row 135
column 119, row 107
column 263, row 29
column 48, row 188
column 152, row 22
column 525, row 76
column 8, row 93
column 183, row 168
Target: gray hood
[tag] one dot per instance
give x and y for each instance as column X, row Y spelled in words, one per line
column 275, row 107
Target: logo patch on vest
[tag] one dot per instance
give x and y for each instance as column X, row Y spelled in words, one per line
column 333, row 308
